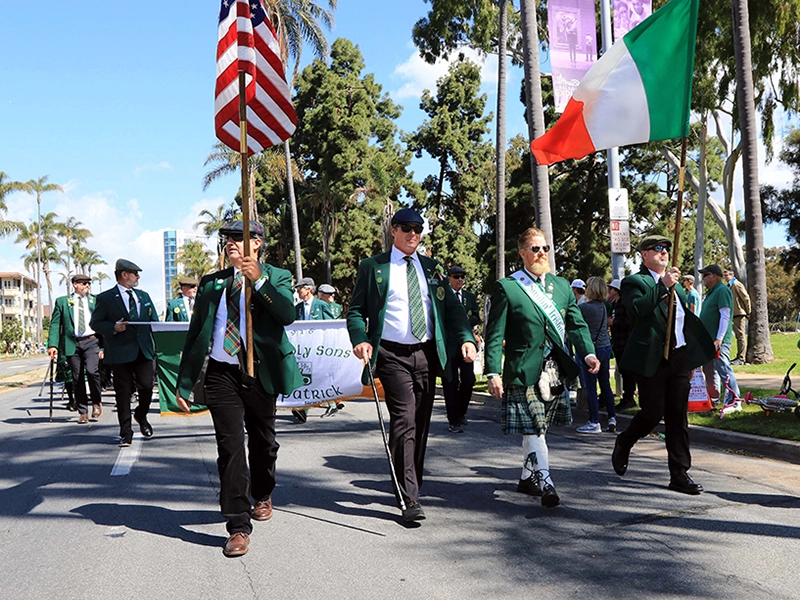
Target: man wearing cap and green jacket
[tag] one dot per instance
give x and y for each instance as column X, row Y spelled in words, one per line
column 128, row 349
column 180, row 309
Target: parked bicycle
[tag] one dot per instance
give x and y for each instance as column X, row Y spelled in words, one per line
column 780, row 402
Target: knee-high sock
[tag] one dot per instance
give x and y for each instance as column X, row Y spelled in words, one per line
column 535, row 453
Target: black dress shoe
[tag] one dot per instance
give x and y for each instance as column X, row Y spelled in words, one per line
column 619, row 458
column 684, row 485
column 300, row 415
column 413, row 512
column 549, row 496
column 126, row 440
column 529, row 486
column 145, row 428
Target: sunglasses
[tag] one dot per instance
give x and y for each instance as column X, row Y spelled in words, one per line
column 536, row 249
column 660, row 248
column 136, row 273
column 407, row 227
column 235, row 237
column 458, row 276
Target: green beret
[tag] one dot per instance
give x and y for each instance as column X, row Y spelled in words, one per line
column 653, row 240
column 126, row 265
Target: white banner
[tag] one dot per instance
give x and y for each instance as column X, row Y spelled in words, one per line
column 325, row 356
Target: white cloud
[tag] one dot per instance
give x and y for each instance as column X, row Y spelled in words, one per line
column 149, row 167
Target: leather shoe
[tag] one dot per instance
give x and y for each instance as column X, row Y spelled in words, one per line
column 83, row 419
column 300, row 415
column 126, row 440
column 623, row 405
column 413, row 512
column 237, row 544
column 684, row 485
column 529, row 486
column 97, row 410
column 145, row 428
column 262, row 511
column 549, row 496
column 619, row 458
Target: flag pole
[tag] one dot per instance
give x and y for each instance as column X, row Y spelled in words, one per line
column 247, row 287
column 675, row 244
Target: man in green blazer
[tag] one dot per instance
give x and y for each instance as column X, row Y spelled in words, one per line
column 326, row 293
column 533, row 312
column 401, row 308
column 663, row 383
column 128, row 349
column 458, row 390
column 72, row 337
column 180, row 309
column 239, row 402
column 310, row 308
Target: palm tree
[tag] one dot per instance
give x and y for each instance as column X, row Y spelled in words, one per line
column 85, row 259
column 8, row 187
column 42, row 237
column 73, row 235
column 195, row 259
column 39, row 187
column 211, row 222
column 99, row 278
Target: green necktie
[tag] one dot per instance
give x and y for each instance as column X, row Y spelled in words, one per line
column 81, row 317
column 418, row 327
column 233, row 337
column 133, row 312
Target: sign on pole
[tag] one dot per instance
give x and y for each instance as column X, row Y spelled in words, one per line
column 620, row 237
column 618, row 204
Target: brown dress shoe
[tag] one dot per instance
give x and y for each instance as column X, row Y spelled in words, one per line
column 83, row 419
column 262, row 511
column 237, row 544
column 97, row 410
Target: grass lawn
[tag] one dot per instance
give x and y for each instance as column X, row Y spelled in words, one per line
column 784, row 347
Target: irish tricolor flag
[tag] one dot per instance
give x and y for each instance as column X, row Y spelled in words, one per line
column 639, row 91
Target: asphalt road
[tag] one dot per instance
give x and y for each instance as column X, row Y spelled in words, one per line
column 81, row 518
column 16, row 366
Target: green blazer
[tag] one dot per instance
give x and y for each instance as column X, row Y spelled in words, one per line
column 470, row 303
column 320, row 311
column 62, row 324
column 123, row 347
column 368, row 307
column 176, row 311
column 272, row 308
column 645, row 301
column 336, row 310
column 515, row 319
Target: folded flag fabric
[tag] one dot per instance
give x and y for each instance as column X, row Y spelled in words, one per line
column 639, row 91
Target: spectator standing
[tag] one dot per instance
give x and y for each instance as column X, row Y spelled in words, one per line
column 741, row 313
column 716, row 316
column 692, row 297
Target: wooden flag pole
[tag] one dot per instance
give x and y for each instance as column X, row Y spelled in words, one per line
column 247, row 286
column 675, row 245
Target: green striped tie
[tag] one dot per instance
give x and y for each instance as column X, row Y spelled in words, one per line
column 418, row 327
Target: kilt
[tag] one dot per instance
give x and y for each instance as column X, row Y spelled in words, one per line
column 523, row 411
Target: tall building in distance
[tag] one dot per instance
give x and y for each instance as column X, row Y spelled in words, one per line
column 19, row 303
column 174, row 239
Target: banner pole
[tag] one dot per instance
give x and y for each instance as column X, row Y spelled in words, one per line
column 247, row 287
column 675, row 246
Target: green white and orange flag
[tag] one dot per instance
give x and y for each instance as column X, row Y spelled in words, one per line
column 639, row 91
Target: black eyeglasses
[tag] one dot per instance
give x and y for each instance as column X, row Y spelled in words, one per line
column 235, row 237
column 407, row 227
column 458, row 276
column 536, row 249
column 660, row 248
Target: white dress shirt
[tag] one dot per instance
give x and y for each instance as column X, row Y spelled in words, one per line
column 680, row 316
column 126, row 299
column 221, row 322
column 397, row 322
column 79, row 300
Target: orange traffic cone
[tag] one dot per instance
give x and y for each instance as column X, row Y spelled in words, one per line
column 699, row 400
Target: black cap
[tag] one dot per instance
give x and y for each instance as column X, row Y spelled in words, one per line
column 713, row 269
column 407, row 215
column 456, row 270
column 126, row 265
column 81, row 277
column 233, row 227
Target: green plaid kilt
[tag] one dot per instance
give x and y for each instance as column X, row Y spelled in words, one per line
column 523, row 411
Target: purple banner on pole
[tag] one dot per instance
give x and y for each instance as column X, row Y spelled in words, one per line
column 573, row 45
column 628, row 14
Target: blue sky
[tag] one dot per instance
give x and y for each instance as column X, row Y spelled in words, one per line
column 117, row 106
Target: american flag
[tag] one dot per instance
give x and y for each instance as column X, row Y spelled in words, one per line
column 247, row 42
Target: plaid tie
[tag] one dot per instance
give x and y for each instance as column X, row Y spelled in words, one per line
column 133, row 312
column 81, row 318
column 418, row 327
column 233, row 338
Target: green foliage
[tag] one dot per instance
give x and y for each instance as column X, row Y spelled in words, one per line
column 783, row 302
column 11, row 334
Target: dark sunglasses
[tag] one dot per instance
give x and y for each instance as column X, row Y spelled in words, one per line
column 236, row 237
column 407, row 227
column 458, row 276
column 535, row 249
column 660, row 248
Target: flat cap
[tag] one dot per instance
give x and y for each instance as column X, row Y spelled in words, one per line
column 407, row 215
column 187, row 281
column 456, row 270
column 713, row 269
column 616, row 284
column 123, row 264
column 233, row 227
column 326, row 289
column 81, row 277
column 578, row 283
column 653, row 240
column 305, row 281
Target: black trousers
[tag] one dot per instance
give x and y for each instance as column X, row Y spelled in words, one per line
column 236, row 408
column 628, row 385
column 408, row 375
column 136, row 375
column 665, row 395
column 458, row 391
column 85, row 363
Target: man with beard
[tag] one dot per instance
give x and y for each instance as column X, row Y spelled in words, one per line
column 181, row 308
column 533, row 311
column 663, row 382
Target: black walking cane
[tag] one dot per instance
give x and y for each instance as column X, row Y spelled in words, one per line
column 52, row 368
column 385, row 440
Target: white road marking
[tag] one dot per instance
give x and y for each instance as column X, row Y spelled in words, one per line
column 127, row 457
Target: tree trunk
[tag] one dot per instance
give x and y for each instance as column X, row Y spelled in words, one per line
column 759, row 348
column 702, row 198
column 500, row 149
column 298, row 260
column 533, row 104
